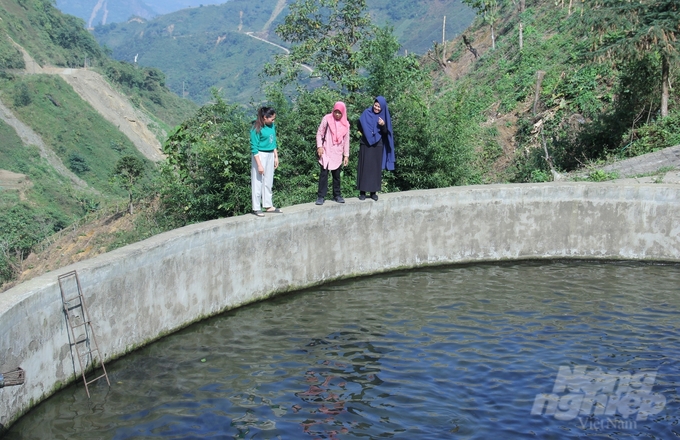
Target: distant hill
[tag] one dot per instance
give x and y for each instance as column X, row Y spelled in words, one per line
column 97, row 12
column 216, row 50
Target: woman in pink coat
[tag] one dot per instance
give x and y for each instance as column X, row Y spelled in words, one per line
column 332, row 147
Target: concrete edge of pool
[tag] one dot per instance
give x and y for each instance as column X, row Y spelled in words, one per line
column 147, row 290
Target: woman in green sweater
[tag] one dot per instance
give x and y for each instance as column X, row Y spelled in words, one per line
column 265, row 160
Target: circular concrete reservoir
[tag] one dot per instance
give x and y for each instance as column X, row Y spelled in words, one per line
column 473, row 351
column 142, row 292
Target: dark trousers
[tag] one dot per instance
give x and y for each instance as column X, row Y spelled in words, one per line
column 323, row 182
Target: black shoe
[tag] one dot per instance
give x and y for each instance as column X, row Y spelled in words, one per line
column 374, row 196
column 362, row 196
column 339, row 199
column 319, row 200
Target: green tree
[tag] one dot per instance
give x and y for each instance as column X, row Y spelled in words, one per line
column 327, row 35
column 391, row 75
column 632, row 30
column 207, row 171
column 22, row 227
column 126, row 173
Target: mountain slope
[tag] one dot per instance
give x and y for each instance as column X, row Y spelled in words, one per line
column 64, row 128
column 115, row 108
column 215, row 51
column 545, row 104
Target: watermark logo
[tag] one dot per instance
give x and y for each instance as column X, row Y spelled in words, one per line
column 581, row 393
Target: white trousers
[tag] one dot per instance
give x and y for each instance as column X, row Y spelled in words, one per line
column 261, row 184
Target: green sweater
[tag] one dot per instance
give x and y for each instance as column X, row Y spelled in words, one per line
column 265, row 140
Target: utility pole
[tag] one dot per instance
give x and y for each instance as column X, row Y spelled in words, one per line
column 444, row 41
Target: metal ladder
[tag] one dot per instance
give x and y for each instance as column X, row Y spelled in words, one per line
column 81, row 334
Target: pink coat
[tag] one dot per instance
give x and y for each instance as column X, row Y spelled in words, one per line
column 332, row 155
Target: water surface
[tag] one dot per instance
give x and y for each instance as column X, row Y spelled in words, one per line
column 446, row 352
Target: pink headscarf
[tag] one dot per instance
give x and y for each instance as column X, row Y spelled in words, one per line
column 339, row 128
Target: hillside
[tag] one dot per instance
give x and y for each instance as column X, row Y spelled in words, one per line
column 516, row 110
column 109, row 103
column 64, row 128
column 217, row 50
column 545, row 103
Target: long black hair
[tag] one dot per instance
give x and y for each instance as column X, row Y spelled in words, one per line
column 263, row 112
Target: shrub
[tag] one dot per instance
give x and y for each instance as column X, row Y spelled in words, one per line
column 77, row 163
column 22, row 95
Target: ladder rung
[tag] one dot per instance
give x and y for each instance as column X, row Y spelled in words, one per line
column 72, row 298
column 96, row 378
column 81, row 340
column 83, row 324
column 88, row 353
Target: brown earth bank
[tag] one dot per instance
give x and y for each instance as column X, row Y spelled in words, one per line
column 94, row 235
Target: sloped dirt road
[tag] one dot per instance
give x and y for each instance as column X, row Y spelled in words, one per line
column 95, row 90
column 115, row 108
column 30, row 137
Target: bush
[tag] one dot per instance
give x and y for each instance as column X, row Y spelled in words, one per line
column 207, row 171
column 22, row 95
column 77, row 163
column 655, row 136
column 10, row 57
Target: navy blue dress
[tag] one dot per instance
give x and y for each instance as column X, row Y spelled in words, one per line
column 369, row 171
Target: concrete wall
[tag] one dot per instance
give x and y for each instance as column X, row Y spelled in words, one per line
column 141, row 292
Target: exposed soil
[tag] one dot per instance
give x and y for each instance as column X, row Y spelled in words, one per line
column 76, row 243
column 15, row 181
column 505, row 124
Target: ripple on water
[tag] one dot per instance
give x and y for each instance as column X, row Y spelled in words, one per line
column 449, row 352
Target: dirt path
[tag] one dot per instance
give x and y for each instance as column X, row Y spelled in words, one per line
column 15, row 181
column 659, row 167
column 647, row 163
column 115, row 108
column 95, row 10
column 30, row 137
column 304, row 66
column 280, row 5
column 31, row 65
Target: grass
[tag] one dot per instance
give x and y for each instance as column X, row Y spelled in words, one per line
column 50, row 189
column 84, row 141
